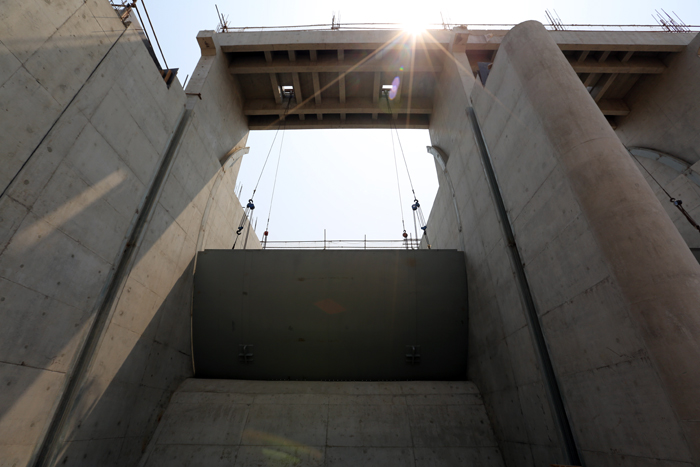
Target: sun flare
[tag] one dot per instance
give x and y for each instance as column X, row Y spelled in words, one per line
column 415, row 28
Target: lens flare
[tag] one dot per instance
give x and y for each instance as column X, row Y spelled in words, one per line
column 394, row 88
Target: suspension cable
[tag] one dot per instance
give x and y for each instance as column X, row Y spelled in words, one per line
column 418, row 218
column 398, row 184
column 283, row 120
column 251, row 205
column 274, row 185
column 676, row 202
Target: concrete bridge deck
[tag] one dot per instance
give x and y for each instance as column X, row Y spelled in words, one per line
column 337, row 77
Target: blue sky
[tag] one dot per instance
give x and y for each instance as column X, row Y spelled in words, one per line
column 344, row 180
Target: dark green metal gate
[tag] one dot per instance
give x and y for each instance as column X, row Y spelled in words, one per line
column 330, row 315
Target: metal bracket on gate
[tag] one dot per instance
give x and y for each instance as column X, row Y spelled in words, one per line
column 246, row 353
column 413, row 354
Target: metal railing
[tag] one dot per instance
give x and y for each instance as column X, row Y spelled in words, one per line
column 470, row 27
column 410, row 244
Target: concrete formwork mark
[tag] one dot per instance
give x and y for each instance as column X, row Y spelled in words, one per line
column 48, row 447
column 58, row 118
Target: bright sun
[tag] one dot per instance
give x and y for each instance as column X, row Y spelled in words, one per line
column 415, row 28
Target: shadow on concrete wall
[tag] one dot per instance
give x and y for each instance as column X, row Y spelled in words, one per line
column 113, row 424
column 136, row 367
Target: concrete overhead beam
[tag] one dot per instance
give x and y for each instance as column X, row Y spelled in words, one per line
column 327, row 40
column 341, row 92
column 275, row 88
column 636, row 41
column 632, row 65
column 592, row 41
column 591, row 79
column 341, row 87
column 352, row 105
column 613, row 107
column 297, row 90
column 649, row 66
column 254, row 65
column 602, row 87
column 317, row 88
column 420, row 122
column 317, row 93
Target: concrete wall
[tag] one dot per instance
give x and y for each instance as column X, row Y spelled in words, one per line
column 665, row 108
column 246, row 423
column 615, row 286
column 679, row 186
column 502, row 361
column 665, row 116
column 87, row 121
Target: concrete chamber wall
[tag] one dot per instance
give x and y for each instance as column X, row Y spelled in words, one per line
column 665, row 117
column 614, row 286
column 679, row 186
column 111, row 183
column 665, row 114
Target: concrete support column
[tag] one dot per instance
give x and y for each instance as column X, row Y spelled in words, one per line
column 502, row 359
column 623, row 329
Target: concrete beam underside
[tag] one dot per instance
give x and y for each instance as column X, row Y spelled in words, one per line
column 603, row 59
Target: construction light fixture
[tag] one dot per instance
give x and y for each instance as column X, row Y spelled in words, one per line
column 287, row 91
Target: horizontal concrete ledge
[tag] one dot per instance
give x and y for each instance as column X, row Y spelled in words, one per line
column 651, row 66
column 329, row 387
column 421, row 122
column 351, row 63
column 614, row 41
column 623, row 41
column 613, row 107
column 352, row 105
column 640, row 65
column 637, row 41
column 249, row 41
column 634, row 65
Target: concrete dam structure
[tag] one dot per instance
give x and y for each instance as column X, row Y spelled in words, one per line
column 561, row 290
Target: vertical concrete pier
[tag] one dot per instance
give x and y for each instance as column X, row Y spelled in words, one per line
column 613, row 281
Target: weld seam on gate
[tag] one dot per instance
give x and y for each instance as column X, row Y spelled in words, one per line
column 550, row 378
